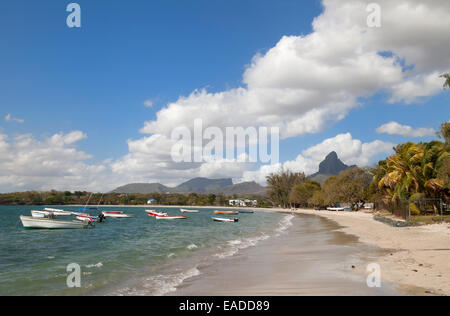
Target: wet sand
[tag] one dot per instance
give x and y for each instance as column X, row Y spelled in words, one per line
column 312, row 257
column 417, row 258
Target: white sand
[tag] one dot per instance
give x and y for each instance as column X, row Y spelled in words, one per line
column 420, row 256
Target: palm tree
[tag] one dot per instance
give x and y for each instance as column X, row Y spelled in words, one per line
column 447, row 80
column 444, row 132
column 413, row 170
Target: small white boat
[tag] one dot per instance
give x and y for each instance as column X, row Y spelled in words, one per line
column 336, row 209
column 170, row 217
column 49, row 211
column 30, row 222
column 225, row 220
column 188, row 211
column 155, row 213
column 116, row 214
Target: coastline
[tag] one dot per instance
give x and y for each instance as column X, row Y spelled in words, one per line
column 309, row 257
column 416, row 259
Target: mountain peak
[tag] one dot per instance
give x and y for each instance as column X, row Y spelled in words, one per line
column 332, row 164
column 333, row 155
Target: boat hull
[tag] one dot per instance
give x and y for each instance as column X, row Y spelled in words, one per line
column 226, row 213
column 225, row 220
column 45, row 223
column 116, row 215
column 155, row 213
column 188, row 211
column 170, row 217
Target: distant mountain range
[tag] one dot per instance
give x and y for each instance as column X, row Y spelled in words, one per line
column 331, row 166
column 197, row 185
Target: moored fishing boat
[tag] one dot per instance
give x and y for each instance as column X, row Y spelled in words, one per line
column 246, row 212
column 170, row 217
column 116, row 214
column 182, row 210
column 30, row 222
column 49, row 211
column 155, row 213
column 225, row 220
column 226, row 212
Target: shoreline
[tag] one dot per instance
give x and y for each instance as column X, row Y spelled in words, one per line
column 417, row 257
column 311, row 256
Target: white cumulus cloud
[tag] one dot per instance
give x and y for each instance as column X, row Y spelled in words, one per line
column 394, row 128
column 27, row 163
column 304, row 83
column 351, row 151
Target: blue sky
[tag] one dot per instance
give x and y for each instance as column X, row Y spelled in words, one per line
column 96, row 78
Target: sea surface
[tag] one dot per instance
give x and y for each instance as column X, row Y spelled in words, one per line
column 136, row 256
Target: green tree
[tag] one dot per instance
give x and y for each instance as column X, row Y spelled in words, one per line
column 280, row 185
column 350, row 186
column 211, row 199
column 302, row 193
column 318, row 199
column 443, row 172
column 444, row 132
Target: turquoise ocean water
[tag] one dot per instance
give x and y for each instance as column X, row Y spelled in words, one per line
column 137, row 256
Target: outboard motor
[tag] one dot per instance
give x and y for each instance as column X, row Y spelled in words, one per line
column 101, row 218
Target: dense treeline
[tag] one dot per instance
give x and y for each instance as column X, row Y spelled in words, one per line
column 81, row 198
column 415, row 171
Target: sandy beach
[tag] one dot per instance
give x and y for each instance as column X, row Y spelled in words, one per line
column 327, row 253
column 416, row 259
column 413, row 260
column 312, row 257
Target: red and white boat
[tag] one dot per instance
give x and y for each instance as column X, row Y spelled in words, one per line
column 171, row 217
column 225, row 220
column 155, row 213
column 116, row 214
column 87, row 218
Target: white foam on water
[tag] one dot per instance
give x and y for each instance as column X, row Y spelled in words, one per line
column 238, row 244
column 284, row 224
column 159, row 285
column 235, row 242
column 163, row 284
column 192, row 246
column 97, row 265
column 169, row 283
